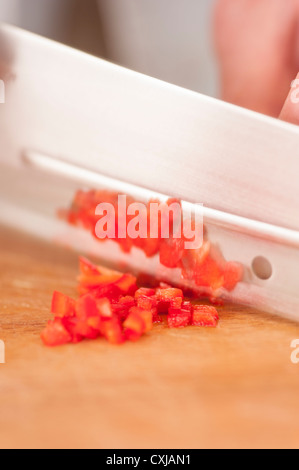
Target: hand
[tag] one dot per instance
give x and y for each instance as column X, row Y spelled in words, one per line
column 257, row 42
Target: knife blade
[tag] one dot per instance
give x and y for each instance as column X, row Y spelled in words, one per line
column 71, row 119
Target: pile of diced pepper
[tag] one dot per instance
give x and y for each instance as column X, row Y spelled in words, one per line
column 206, row 266
column 112, row 306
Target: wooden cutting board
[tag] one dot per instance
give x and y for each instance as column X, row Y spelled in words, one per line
column 234, row 386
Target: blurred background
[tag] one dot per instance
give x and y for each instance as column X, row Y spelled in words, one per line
column 167, row 39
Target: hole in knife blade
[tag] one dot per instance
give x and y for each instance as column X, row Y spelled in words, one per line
column 262, row 268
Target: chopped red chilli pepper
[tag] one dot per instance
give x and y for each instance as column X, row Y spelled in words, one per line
column 56, row 334
column 204, row 315
column 204, row 266
column 62, row 305
column 111, row 306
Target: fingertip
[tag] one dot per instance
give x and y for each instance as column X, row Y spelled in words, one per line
column 290, row 110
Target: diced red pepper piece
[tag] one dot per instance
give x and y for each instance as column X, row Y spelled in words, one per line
column 146, row 303
column 146, row 315
column 62, row 305
column 168, row 294
column 55, row 333
column 177, row 319
column 111, row 292
column 209, row 274
column 204, row 315
column 112, row 331
column 144, row 292
column 134, row 326
column 209, row 268
column 69, row 324
column 186, row 307
column 180, row 317
column 192, row 259
column 171, row 252
column 87, row 268
column 100, row 280
column 81, row 328
column 104, row 308
column 92, row 275
column 233, row 274
column 145, row 298
column 127, row 300
column 168, row 297
column 151, row 246
column 95, row 323
column 156, row 317
column 86, row 307
column 176, row 302
column 127, row 284
column 122, row 306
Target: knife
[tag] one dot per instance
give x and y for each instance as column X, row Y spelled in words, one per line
column 73, row 121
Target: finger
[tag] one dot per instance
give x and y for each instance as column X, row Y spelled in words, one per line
column 290, row 110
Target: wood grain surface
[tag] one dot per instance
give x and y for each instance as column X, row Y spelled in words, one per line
column 233, row 386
